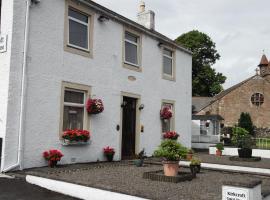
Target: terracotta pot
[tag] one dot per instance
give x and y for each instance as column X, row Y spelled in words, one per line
column 189, row 156
column 218, row 152
column 52, row 163
column 171, row 168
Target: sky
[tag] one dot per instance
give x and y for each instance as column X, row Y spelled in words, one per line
column 240, row 28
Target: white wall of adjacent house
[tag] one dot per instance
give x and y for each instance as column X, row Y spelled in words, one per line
column 48, row 65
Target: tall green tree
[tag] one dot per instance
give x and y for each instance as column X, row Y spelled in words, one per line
column 205, row 80
column 245, row 122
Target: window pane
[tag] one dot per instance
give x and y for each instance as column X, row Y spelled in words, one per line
column 73, row 118
column 167, row 65
column 77, row 15
column 74, row 97
column 78, row 34
column 131, row 37
column 167, row 52
column 131, row 53
column 166, row 125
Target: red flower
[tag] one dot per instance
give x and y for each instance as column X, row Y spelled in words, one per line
column 76, row 135
column 172, row 135
column 94, row 106
column 53, row 155
column 108, row 150
column 166, row 113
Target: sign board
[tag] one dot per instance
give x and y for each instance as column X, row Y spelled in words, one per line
column 233, row 193
column 3, row 43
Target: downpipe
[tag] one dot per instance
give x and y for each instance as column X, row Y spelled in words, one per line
column 23, row 91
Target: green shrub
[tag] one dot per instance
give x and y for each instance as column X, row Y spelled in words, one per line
column 220, row 146
column 241, row 138
column 195, row 161
column 171, row 150
column 246, row 122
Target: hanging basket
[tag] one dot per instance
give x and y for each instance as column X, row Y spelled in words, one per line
column 94, row 106
column 166, row 113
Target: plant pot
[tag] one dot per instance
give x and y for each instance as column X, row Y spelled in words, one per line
column 245, row 153
column 109, row 157
column 218, row 152
column 195, row 169
column 52, row 163
column 189, row 156
column 171, row 168
column 139, row 163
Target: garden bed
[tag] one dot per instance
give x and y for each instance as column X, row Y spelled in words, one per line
column 124, row 177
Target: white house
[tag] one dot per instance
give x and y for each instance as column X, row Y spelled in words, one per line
column 55, row 54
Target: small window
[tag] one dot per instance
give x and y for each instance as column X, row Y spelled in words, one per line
column 131, row 49
column 168, row 63
column 257, row 99
column 78, row 29
column 167, row 125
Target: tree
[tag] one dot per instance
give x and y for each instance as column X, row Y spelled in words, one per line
column 205, row 80
column 245, row 122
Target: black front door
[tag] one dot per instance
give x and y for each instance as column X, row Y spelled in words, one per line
column 128, row 127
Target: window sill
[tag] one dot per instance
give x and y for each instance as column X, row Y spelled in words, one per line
column 74, row 143
column 78, row 51
column 133, row 67
column 169, row 78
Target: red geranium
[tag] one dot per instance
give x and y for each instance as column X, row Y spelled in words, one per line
column 108, row 150
column 76, row 135
column 94, row 106
column 172, row 135
column 53, row 155
column 166, row 113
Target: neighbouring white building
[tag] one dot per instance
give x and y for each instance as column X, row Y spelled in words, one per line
column 55, row 54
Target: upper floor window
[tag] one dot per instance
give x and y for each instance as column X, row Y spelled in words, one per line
column 78, row 33
column 132, row 50
column 78, row 29
column 168, row 64
column 257, row 99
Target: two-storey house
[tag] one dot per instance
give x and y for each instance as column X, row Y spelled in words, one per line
column 56, row 54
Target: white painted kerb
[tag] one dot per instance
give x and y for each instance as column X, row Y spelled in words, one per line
column 78, row 191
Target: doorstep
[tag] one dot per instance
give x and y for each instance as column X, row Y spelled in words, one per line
column 231, row 168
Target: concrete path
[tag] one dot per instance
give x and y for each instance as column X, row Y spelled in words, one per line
column 231, row 168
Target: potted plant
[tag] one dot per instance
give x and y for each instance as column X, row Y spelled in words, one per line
column 109, row 153
column 190, row 154
column 171, row 152
column 166, row 113
column 71, row 136
column 140, row 158
column 242, row 139
column 94, row 106
column 195, row 166
column 220, row 148
column 52, row 156
column 172, row 135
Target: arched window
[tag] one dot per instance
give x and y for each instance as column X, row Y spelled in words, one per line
column 257, row 99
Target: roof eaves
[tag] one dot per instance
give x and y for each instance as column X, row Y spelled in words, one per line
column 129, row 22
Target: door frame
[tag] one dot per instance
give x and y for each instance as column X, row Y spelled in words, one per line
column 138, row 121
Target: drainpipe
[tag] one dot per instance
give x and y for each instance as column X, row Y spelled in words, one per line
column 23, row 90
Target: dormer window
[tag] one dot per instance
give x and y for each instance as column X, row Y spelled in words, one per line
column 257, row 99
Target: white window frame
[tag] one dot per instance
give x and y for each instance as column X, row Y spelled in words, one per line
column 166, row 102
column 170, row 76
column 80, row 22
column 134, row 43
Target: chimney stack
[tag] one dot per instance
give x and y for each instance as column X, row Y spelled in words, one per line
column 146, row 18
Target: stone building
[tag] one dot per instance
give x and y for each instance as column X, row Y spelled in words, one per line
column 251, row 95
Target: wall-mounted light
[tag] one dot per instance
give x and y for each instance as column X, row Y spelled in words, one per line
column 35, row 1
column 123, row 104
column 103, row 18
column 141, row 107
column 160, row 44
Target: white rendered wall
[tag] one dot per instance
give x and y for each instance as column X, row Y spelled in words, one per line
column 48, row 65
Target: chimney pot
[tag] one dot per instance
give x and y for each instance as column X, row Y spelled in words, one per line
column 142, row 7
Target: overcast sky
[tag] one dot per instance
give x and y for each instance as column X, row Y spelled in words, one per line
column 240, row 28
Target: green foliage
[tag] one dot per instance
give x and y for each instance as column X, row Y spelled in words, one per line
column 241, row 138
column 220, row 146
column 195, row 161
column 171, row 150
column 246, row 122
column 205, row 80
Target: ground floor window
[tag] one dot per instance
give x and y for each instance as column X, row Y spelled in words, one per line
column 74, row 115
column 168, row 124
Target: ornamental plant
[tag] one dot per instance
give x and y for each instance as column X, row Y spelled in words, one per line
column 108, row 151
column 94, row 106
column 53, row 155
column 170, row 150
column 172, row 135
column 76, row 135
column 195, row 161
column 166, row 113
column 241, row 138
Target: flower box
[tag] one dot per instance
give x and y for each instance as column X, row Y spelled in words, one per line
column 66, row 142
column 75, row 137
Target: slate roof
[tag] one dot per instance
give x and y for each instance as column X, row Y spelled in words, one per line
column 200, row 102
